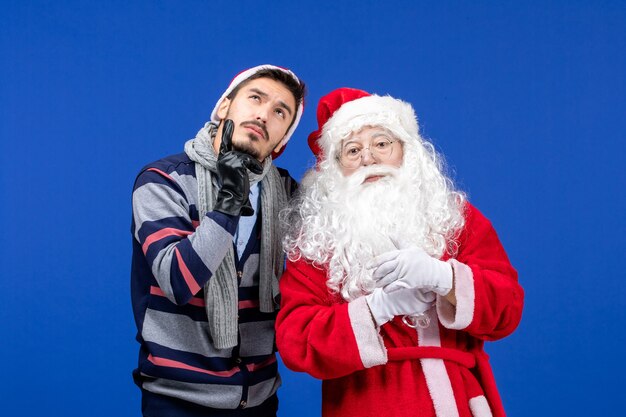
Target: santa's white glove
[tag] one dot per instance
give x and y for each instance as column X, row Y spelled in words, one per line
column 411, row 267
column 404, row 302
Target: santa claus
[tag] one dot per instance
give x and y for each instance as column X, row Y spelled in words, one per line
column 393, row 280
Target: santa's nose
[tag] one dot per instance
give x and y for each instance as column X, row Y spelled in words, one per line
column 367, row 158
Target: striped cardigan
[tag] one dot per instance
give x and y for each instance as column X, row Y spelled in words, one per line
column 174, row 254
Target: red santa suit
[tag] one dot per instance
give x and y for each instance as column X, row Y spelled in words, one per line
column 396, row 370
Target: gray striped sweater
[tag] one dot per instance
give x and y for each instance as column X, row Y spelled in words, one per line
column 175, row 253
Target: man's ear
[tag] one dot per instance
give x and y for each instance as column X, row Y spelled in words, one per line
column 222, row 110
column 279, row 147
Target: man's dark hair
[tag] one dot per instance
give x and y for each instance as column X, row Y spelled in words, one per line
column 297, row 89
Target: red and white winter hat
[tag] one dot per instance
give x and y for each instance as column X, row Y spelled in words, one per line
column 243, row 76
column 347, row 110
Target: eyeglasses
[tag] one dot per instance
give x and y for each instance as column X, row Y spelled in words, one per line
column 380, row 148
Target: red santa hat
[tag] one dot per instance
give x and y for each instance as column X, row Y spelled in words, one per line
column 347, row 110
column 243, row 76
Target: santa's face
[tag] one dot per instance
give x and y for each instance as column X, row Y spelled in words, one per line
column 364, row 203
column 262, row 111
column 372, row 145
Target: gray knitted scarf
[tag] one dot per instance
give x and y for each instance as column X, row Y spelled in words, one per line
column 220, row 292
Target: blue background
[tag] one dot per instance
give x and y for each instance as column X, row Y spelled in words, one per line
column 527, row 102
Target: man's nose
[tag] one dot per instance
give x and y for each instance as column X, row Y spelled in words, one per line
column 262, row 113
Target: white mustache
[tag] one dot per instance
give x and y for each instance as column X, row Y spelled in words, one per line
column 362, row 174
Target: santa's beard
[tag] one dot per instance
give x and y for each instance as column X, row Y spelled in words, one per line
column 369, row 219
column 340, row 223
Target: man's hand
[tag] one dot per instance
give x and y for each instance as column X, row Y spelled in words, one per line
column 233, row 197
column 404, row 302
column 411, row 267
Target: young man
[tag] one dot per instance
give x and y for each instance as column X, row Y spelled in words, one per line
column 206, row 256
column 394, row 280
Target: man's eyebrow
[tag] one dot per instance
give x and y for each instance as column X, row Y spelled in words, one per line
column 281, row 103
column 285, row 106
column 259, row 92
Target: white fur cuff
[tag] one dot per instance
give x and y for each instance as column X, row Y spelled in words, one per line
column 370, row 344
column 460, row 316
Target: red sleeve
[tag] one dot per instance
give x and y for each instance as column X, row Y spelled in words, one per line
column 489, row 297
column 318, row 333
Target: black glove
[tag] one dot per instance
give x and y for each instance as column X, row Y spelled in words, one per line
column 233, row 197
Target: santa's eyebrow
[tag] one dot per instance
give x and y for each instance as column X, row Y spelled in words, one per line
column 382, row 133
column 373, row 136
column 349, row 141
column 281, row 103
column 377, row 135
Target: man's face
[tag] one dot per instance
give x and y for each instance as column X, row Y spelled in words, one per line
column 370, row 146
column 262, row 111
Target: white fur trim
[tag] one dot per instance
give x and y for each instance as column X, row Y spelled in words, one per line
column 371, row 346
column 386, row 111
column 460, row 316
column 437, row 379
column 244, row 75
column 480, row 407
